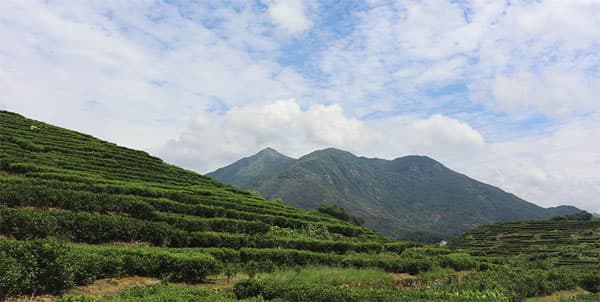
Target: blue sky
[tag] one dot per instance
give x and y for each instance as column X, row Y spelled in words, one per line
column 504, row 91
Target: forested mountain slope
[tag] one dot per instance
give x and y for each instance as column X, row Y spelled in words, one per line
column 412, row 197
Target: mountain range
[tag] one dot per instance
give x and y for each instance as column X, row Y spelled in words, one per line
column 411, row 197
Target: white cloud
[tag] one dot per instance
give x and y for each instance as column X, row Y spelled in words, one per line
column 289, row 14
column 119, row 73
column 551, row 169
column 440, row 131
column 281, row 124
column 552, row 93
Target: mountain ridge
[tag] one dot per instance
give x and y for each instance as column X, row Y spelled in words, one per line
column 412, row 197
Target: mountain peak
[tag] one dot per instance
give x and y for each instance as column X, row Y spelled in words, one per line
column 420, row 161
column 269, row 151
column 330, row 152
column 244, row 171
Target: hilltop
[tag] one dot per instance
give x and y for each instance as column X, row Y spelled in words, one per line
column 412, row 197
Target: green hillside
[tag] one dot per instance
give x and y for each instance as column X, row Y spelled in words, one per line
column 560, row 242
column 413, row 197
column 78, row 211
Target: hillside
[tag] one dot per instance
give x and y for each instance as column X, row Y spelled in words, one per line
column 124, row 226
column 561, row 242
column 412, row 197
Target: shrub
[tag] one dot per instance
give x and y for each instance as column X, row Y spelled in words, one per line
column 340, row 213
column 36, row 266
column 458, row 261
column 231, row 270
column 45, row 266
column 591, row 282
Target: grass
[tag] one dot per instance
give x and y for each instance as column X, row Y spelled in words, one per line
column 437, row 273
column 565, row 295
column 160, row 293
column 351, row 277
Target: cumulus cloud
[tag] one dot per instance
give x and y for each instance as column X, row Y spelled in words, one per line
column 121, row 69
column 214, row 140
column 551, row 169
column 289, row 14
column 285, row 126
column 440, row 131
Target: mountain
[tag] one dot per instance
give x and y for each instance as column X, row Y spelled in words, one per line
column 245, row 171
column 412, row 197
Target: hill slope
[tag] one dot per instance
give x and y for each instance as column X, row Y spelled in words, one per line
column 564, row 242
column 60, row 184
column 75, row 209
column 413, row 197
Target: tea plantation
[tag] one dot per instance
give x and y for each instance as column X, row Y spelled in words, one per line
column 75, row 209
column 560, row 242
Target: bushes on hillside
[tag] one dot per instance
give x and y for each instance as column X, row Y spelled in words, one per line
column 43, row 266
column 299, row 291
column 579, row 216
column 38, row 266
column 400, row 246
column 591, row 282
column 520, row 283
column 26, row 223
column 340, row 213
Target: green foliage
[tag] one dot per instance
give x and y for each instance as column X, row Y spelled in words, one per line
column 230, row 270
column 584, row 298
column 37, row 266
column 51, row 267
column 352, row 277
column 400, row 246
column 340, row 213
column 458, row 261
column 252, row 268
column 301, row 291
column 580, row 216
column 591, row 282
column 161, row 293
column 552, row 242
column 519, row 283
column 410, row 198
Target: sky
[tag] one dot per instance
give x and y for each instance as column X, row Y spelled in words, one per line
column 507, row 92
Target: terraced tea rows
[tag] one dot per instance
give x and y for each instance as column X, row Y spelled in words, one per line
column 564, row 242
column 57, row 184
column 74, row 209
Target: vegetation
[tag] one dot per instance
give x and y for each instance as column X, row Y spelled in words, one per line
column 74, row 209
column 580, row 216
column 340, row 213
column 410, row 198
column 554, row 242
